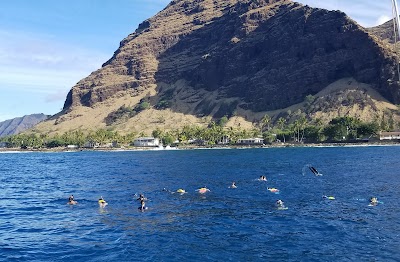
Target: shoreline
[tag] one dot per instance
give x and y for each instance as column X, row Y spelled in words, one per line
column 188, row 147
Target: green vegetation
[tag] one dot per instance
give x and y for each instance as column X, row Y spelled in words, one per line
column 165, row 100
column 126, row 112
column 121, row 113
column 77, row 137
column 341, row 129
column 142, row 106
column 223, row 121
column 163, row 104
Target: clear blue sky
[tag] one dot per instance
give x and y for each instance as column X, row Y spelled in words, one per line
column 47, row 46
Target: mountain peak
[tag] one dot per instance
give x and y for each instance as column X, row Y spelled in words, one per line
column 228, row 57
column 20, row 124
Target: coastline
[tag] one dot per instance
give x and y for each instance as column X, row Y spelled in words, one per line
column 190, row 147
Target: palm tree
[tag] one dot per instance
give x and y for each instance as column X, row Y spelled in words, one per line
column 281, row 124
column 302, row 126
column 265, row 121
column 296, row 130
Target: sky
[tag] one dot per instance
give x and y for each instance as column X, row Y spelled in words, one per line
column 47, row 46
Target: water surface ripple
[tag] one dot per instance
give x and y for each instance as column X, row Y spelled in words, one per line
column 225, row 224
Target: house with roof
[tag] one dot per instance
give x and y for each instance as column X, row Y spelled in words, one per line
column 146, row 142
column 250, row 141
column 389, row 135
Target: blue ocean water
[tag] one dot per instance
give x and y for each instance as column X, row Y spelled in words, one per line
column 225, row 224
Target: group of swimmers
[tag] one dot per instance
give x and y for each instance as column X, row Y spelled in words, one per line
column 102, row 203
column 72, row 201
column 373, row 201
column 279, row 203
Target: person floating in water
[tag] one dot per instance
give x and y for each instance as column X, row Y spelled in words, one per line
column 280, row 204
column 233, row 185
column 142, row 206
column 181, row 191
column 71, row 200
column 142, row 200
column 102, row 202
column 329, row 197
column 273, row 190
column 373, row 201
column 141, row 197
column 203, row 190
column 263, row 178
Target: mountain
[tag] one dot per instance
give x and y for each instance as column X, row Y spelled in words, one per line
column 203, row 59
column 384, row 32
column 17, row 125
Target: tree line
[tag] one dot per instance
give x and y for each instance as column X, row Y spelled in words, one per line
column 301, row 130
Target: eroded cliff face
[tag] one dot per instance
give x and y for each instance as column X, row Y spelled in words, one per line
column 254, row 55
column 134, row 64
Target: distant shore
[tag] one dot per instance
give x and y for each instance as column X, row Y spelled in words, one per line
column 192, row 147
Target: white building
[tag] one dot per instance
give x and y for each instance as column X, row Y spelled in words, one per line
column 224, row 140
column 251, row 141
column 146, row 142
column 389, row 136
column 91, row 144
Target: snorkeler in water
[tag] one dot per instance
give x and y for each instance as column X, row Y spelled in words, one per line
column 328, row 197
column 280, row 204
column 233, row 185
column 102, row 202
column 273, row 190
column 142, row 205
column 263, row 178
column 71, row 200
column 141, row 197
column 373, row 201
column 181, row 191
column 203, row 190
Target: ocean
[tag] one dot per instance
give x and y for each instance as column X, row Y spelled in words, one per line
column 224, row 224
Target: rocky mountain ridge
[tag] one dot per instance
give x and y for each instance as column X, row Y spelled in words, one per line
column 235, row 58
column 384, row 32
column 19, row 124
